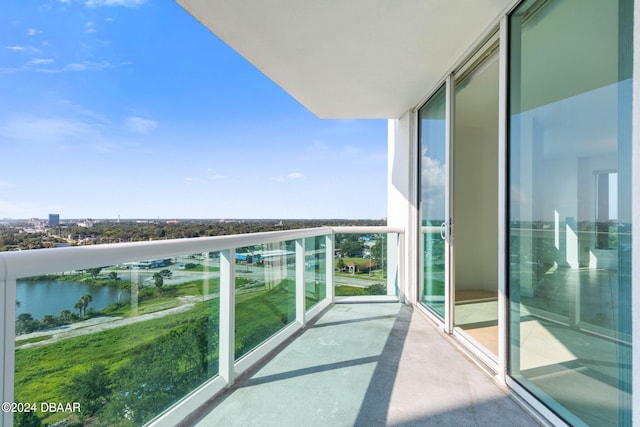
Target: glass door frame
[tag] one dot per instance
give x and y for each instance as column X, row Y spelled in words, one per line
column 491, row 46
column 497, row 34
column 446, row 322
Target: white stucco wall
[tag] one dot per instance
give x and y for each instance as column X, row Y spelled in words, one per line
column 402, row 193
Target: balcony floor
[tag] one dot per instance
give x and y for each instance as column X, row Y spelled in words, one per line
column 368, row 364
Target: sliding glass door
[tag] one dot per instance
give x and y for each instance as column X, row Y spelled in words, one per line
column 570, row 206
column 434, row 202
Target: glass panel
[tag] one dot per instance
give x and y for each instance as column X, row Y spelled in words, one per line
column 265, row 293
column 361, row 264
column 570, row 222
column 315, row 270
column 125, row 341
column 433, row 180
column 475, row 203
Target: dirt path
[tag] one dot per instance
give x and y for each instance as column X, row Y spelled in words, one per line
column 99, row 324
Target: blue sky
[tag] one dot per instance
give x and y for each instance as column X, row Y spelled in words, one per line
column 132, row 108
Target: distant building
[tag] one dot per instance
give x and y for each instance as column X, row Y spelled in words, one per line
column 54, row 219
column 88, row 223
column 148, row 264
column 38, row 224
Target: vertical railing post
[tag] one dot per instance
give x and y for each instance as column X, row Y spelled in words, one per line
column 403, row 284
column 8, row 301
column 300, row 285
column 393, row 285
column 5, row 418
column 227, row 315
column 329, row 268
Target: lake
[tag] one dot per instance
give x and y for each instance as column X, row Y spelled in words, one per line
column 52, row 296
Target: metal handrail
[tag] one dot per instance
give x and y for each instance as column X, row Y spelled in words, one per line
column 34, row 262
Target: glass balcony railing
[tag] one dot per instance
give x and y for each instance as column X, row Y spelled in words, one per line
column 145, row 333
column 361, row 263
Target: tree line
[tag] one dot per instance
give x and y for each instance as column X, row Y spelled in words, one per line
column 26, row 323
column 114, row 232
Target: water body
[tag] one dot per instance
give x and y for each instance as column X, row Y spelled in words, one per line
column 52, row 296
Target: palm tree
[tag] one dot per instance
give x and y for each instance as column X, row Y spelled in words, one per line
column 49, row 321
column 85, row 300
column 79, row 305
column 65, row 315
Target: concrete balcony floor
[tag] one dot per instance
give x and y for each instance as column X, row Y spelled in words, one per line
column 367, row 364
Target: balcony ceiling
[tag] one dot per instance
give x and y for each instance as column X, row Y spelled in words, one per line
column 350, row 59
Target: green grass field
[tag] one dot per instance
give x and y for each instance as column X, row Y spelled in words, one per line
column 175, row 346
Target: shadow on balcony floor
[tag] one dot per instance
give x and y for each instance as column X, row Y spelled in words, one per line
column 368, row 365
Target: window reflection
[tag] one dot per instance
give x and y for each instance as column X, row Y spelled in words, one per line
column 432, row 201
column 569, row 234
column 606, row 210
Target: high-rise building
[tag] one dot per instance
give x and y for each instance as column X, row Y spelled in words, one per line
column 54, row 219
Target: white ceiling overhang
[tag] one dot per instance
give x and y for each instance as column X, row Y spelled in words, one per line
column 350, row 58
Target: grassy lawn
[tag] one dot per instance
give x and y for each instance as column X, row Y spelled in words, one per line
column 347, row 291
column 42, row 372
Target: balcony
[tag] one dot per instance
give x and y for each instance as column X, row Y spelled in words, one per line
column 367, row 363
column 249, row 319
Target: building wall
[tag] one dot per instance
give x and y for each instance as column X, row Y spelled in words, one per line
column 402, row 194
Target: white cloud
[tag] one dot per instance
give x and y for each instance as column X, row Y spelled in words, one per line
column 124, row 3
column 211, row 176
column 291, row 176
column 74, row 67
column 46, row 130
column 434, row 180
column 20, row 48
column 85, row 114
column 41, row 61
column 16, row 48
column 44, row 65
column 70, row 127
column 140, row 125
column 33, row 32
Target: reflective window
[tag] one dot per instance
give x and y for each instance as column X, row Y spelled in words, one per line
column 432, row 119
column 570, row 192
